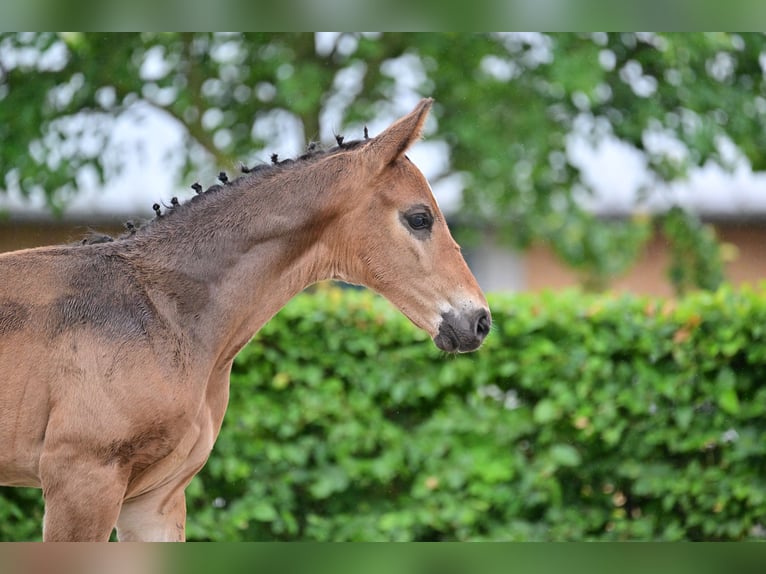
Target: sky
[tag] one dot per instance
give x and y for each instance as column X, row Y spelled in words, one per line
column 619, row 177
column 149, row 167
column 615, row 172
column 145, row 141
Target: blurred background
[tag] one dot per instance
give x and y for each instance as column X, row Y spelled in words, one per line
column 626, row 161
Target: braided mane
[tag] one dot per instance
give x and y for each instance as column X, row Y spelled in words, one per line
column 261, row 171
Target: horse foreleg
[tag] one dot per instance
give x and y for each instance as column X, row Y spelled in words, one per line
column 160, row 514
column 82, row 497
column 157, row 516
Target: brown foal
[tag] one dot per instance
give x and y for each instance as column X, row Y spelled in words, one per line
column 115, row 355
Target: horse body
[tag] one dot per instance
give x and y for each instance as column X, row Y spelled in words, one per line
column 115, row 357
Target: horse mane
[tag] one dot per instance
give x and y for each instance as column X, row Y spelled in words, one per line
column 253, row 174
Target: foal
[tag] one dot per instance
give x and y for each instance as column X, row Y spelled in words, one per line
column 115, row 355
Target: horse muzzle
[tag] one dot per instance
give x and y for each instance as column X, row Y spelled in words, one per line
column 463, row 332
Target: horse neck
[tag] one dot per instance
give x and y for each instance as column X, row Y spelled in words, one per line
column 223, row 269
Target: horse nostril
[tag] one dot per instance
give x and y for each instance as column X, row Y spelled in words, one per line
column 464, row 332
column 483, row 324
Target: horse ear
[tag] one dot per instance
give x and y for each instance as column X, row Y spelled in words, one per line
column 388, row 146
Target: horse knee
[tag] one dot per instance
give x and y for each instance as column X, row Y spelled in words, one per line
column 153, row 517
column 82, row 499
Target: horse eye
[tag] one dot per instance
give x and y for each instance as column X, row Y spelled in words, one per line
column 420, row 221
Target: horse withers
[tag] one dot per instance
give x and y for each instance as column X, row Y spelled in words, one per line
column 115, row 355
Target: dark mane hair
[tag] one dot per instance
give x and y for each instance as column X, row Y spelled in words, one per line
column 258, row 172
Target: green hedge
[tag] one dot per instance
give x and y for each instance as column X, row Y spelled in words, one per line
column 582, row 418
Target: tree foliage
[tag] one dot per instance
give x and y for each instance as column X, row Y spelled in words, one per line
column 507, row 106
